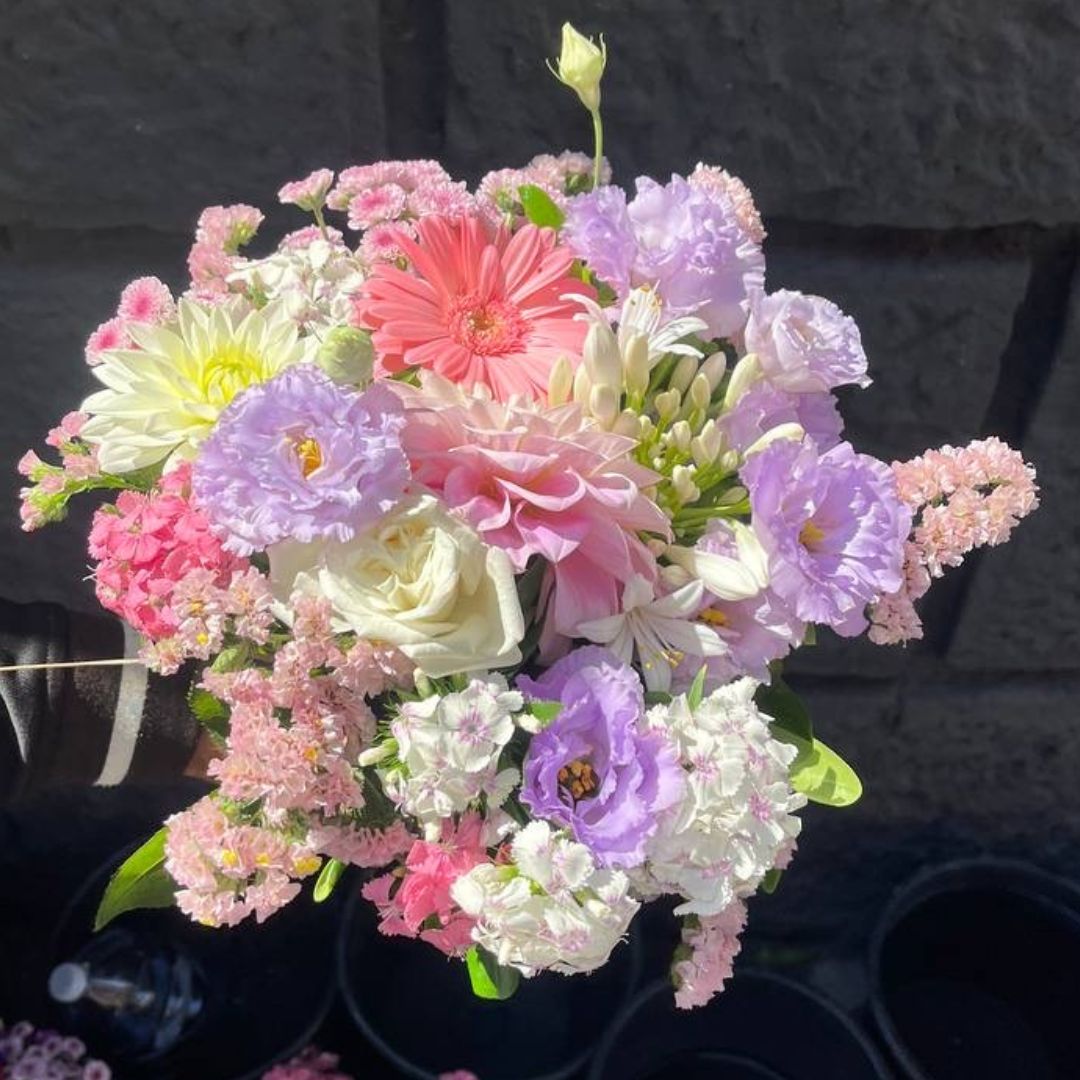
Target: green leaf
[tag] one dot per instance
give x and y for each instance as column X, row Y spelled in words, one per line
column 771, row 880
column 820, row 773
column 210, row 711
column 141, row 882
column 544, row 711
column 232, row 658
column 785, row 707
column 657, row 697
column 489, row 980
column 327, row 880
column 696, row 693
column 539, row 207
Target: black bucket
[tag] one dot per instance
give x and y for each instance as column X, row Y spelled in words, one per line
column 264, row 989
column 975, row 971
column 762, row 1027
column 415, row 1006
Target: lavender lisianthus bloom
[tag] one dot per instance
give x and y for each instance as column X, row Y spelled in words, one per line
column 688, row 243
column 833, row 526
column 596, row 769
column 806, row 344
column 764, row 406
column 301, row 458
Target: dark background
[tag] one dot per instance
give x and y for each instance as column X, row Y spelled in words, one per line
column 916, row 162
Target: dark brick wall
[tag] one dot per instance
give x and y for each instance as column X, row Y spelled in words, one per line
column 916, row 161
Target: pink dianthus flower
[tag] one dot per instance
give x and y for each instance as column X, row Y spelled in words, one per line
column 713, row 944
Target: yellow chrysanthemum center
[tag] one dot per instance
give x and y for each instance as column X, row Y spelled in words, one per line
column 810, row 535
column 310, row 454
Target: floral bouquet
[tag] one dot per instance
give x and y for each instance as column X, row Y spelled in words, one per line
column 482, row 540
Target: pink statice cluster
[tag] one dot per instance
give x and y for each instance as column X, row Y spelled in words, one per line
column 288, row 794
column 146, row 301
column 220, row 233
column 146, row 544
column 27, row 1053
column 414, row 900
column 706, row 960
column 961, row 499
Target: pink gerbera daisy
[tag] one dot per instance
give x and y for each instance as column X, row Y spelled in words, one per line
column 479, row 306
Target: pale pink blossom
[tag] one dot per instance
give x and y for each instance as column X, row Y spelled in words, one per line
column 712, row 943
column 309, row 193
column 111, row 334
column 146, row 300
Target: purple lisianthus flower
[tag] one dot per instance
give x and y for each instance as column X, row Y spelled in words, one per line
column 595, row 769
column 763, row 407
column 805, row 344
column 300, row 458
column 685, row 241
column 756, row 631
column 833, row 526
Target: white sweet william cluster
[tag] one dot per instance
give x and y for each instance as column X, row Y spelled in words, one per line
column 448, row 749
column 736, row 820
column 550, row 908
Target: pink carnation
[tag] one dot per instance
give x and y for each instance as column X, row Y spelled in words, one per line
column 408, row 904
column 309, row 193
column 713, row 943
column 719, row 181
column 543, row 483
column 108, row 336
column 146, row 544
column 479, row 307
column 146, row 300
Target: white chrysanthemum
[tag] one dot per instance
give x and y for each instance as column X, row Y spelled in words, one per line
column 736, row 817
column 552, row 909
column 450, row 749
column 162, row 399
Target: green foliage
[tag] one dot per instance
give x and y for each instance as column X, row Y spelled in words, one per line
column 327, row 880
column 820, row 773
column 696, row 694
column 539, row 207
column 771, row 880
column 488, row 979
column 785, row 707
column 141, row 882
column 210, row 711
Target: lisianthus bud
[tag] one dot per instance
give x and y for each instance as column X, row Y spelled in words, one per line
column 581, row 66
column 346, row 355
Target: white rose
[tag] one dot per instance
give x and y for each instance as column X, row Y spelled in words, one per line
column 419, row 579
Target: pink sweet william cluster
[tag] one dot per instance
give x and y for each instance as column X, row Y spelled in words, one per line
column 484, row 521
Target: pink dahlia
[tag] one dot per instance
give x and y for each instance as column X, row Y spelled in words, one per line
column 479, row 306
column 539, row 482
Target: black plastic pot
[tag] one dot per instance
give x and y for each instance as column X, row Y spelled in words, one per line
column 762, row 1027
column 975, row 971
column 415, row 1006
column 263, row 990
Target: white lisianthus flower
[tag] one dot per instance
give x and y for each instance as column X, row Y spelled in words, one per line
column 419, row 579
column 736, row 818
column 162, row 399
column 552, row 909
column 449, row 749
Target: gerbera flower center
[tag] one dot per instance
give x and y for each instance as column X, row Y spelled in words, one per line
column 810, row 535
column 578, row 779
column 310, row 454
column 486, row 326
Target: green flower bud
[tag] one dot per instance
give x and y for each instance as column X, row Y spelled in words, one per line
column 581, row 66
column 347, row 356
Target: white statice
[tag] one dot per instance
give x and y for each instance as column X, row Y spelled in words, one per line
column 313, row 282
column 736, row 819
column 448, row 748
column 551, row 908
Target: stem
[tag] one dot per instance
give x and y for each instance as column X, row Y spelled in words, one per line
column 598, row 140
column 321, row 222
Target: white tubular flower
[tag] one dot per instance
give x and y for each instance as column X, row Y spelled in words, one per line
column 449, row 748
column 743, row 375
column 552, row 909
column 724, row 577
column 737, row 816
